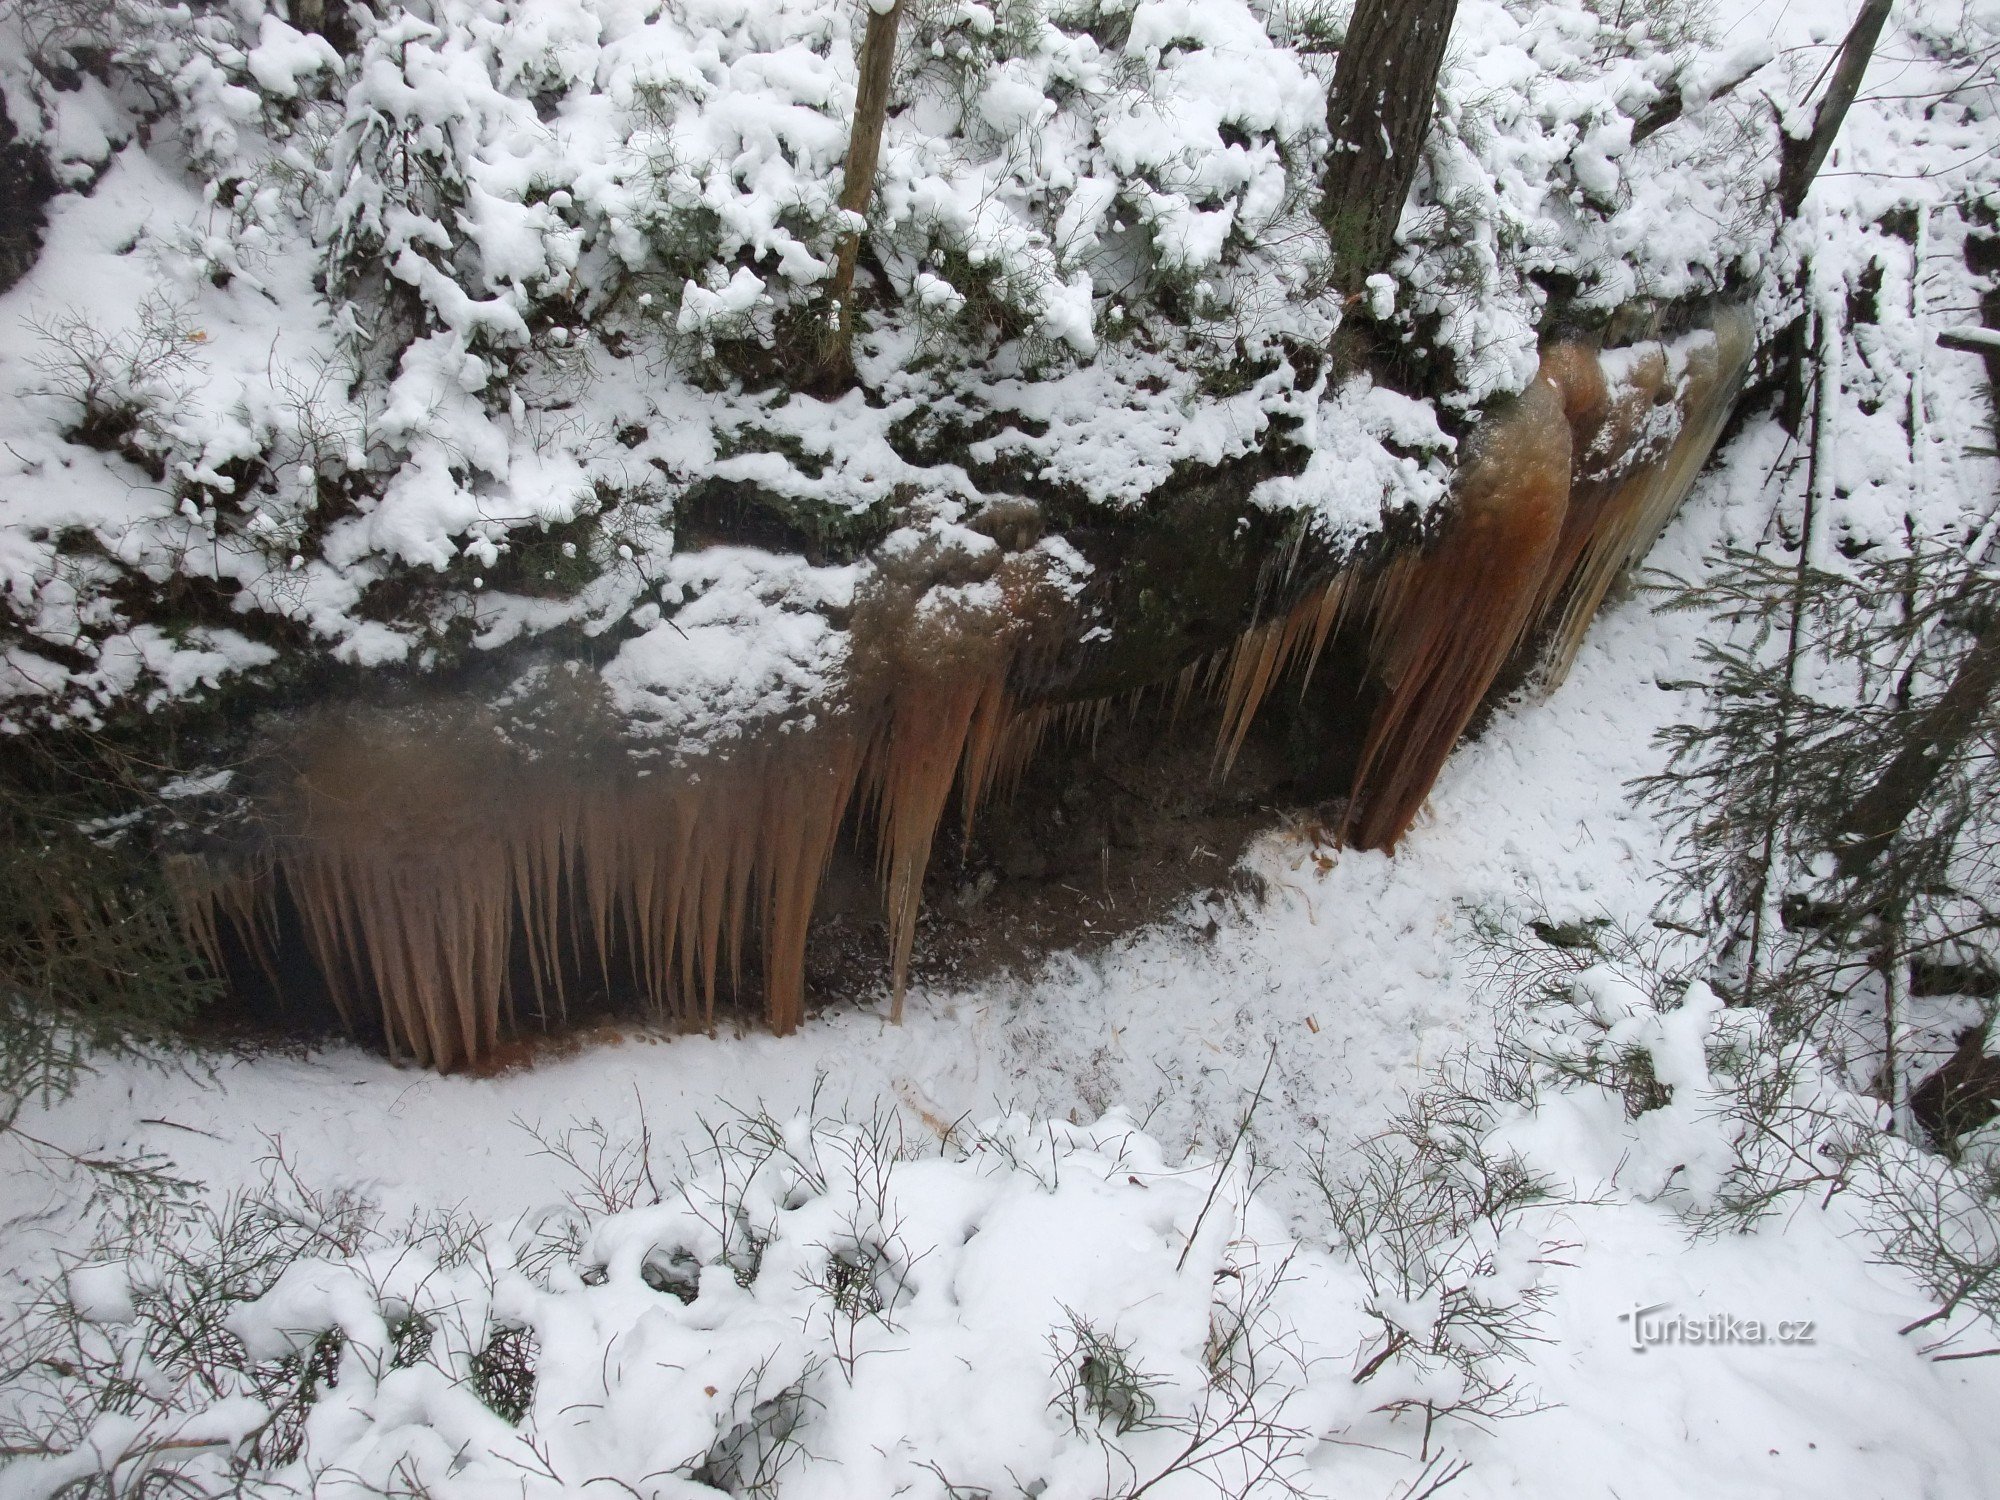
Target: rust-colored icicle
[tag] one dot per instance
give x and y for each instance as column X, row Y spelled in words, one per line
column 927, row 732
column 1463, row 608
column 1100, row 710
column 540, row 852
column 1253, row 665
column 1020, row 740
column 745, row 824
column 1644, row 485
column 802, row 820
column 197, row 895
column 602, row 833
column 985, row 743
column 402, row 869
column 1184, row 687
column 656, row 825
column 205, row 897
column 708, row 895
column 1318, row 619
column 1608, row 437
column 250, row 903
column 1264, row 653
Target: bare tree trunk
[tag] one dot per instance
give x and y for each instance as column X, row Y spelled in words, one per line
column 1767, row 861
column 857, row 186
column 1940, row 733
column 1800, row 160
column 1384, row 86
column 1937, row 737
column 1673, row 104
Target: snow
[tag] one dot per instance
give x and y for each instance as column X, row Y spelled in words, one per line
column 1073, row 1129
column 752, row 647
column 283, row 56
column 1352, row 980
column 507, row 255
column 1364, row 440
column 102, row 1293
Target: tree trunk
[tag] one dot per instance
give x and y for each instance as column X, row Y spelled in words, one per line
column 1940, row 732
column 1875, row 817
column 1799, row 161
column 1673, row 104
column 857, row 186
column 1384, row 85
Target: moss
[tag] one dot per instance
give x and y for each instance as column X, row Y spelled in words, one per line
column 555, row 561
column 1574, row 936
column 1234, row 376
column 787, row 445
column 26, row 185
column 735, row 513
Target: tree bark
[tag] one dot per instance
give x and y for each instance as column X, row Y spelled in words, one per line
column 1875, row 817
column 1799, row 160
column 1940, row 732
column 1673, row 104
column 857, row 186
column 1384, row 87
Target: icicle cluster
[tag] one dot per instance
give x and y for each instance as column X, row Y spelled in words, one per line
column 1559, row 495
column 448, row 883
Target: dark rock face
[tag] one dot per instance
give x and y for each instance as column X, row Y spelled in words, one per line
column 1179, row 579
column 26, row 185
column 537, row 876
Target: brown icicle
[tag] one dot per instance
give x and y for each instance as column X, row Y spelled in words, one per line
column 1463, row 610
column 1264, row 653
column 1625, row 488
column 542, row 855
column 206, row 897
column 659, row 830
column 1253, row 665
column 927, row 734
column 196, row 901
column 1608, row 446
column 985, row 744
column 801, row 823
column 1019, row 741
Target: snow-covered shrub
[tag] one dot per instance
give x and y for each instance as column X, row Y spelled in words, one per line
column 127, row 391
column 697, row 1334
column 1734, row 1112
column 804, row 1304
column 522, row 254
column 1432, row 1217
column 140, row 1366
column 1841, row 684
column 1940, row 1221
column 1730, row 1116
column 1534, row 195
column 423, row 116
column 677, row 177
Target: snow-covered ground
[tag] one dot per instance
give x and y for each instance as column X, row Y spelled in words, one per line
column 1353, row 979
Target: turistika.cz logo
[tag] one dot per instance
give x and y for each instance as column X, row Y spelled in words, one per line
column 1655, row 1327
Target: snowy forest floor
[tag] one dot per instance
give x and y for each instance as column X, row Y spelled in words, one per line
column 1357, row 973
